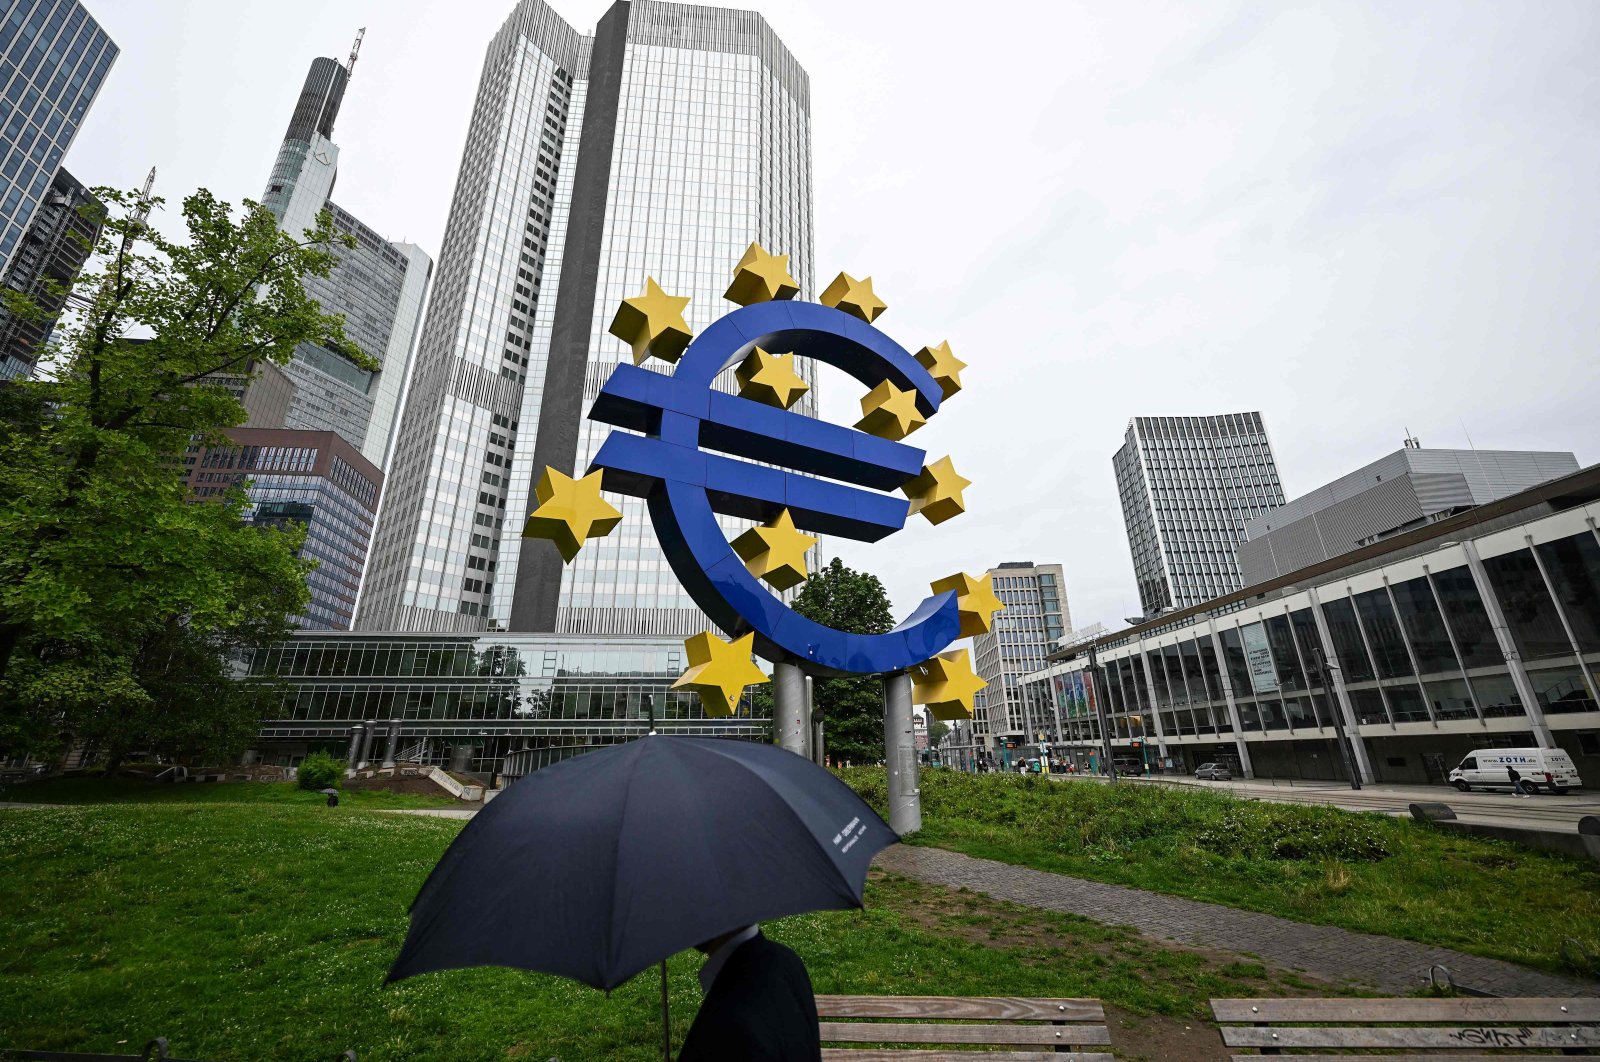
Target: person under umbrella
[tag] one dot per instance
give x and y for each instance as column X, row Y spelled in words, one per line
column 607, row 863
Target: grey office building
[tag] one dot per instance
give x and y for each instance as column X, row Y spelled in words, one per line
column 1034, row 619
column 662, row 145
column 58, row 241
column 1188, row 486
column 53, row 58
column 378, row 285
column 1404, row 490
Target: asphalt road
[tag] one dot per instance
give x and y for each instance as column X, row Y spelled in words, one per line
column 1542, row 811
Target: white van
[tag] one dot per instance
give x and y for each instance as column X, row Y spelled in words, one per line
column 1550, row 769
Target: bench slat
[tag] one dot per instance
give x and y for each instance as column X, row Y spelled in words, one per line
column 873, row 1054
column 975, row 1008
column 870, row 1032
column 1398, row 1010
column 1499, row 1038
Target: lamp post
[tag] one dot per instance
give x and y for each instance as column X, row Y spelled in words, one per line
column 1323, row 667
column 1100, row 714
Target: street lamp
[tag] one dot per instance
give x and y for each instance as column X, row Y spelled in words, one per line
column 1323, row 667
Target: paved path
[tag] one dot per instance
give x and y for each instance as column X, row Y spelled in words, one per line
column 1326, row 952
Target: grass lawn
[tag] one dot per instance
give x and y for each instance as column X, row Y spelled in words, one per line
column 263, row 930
column 130, row 790
column 1360, row 871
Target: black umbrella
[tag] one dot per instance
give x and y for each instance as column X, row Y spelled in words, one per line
column 609, row 862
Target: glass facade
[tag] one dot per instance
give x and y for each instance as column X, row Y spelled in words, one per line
column 58, row 241
column 694, row 145
column 1187, row 486
column 53, row 59
column 1034, row 619
column 534, row 699
column 1420, row 669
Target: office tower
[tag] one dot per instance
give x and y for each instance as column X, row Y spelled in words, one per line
column 378, row 285
column 262, row 387
column 1034, row 619
column 663, row 145
column 1393, row 494
column 1188, row 485
column 314, row 478
column 58, row 241
column 53, row 58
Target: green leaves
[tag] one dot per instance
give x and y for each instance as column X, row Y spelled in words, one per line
column 114, row 584
column 853, row 601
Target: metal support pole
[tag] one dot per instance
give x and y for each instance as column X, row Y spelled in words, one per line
column 355, row 746
column 900, row 752
column 789, row 707
column 393, row 745
column 1110, row 760
column 1350, row 770
column 817, row 718
column 368, row 732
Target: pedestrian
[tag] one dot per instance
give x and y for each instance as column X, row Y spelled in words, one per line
column 1516, row 781
column 758, row 1003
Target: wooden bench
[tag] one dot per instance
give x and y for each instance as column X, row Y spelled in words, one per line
column 1462, row 1030
column 963, row 1028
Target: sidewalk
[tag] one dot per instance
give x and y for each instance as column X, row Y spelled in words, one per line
column 1326, row 952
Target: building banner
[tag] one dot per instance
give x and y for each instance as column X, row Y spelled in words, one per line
column 1259, row 658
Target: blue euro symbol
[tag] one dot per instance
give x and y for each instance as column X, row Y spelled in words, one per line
column 693, row 459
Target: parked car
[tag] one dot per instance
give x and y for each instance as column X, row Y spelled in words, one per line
column 1550, row 769
column 1213, row 772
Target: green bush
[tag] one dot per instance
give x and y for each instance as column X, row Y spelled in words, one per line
column 321, row 771
column 1277, row 831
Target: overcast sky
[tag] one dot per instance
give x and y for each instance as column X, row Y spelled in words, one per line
column 1355, row 218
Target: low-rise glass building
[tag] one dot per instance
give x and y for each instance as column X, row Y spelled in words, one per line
column 493, row 703
column 1478, row 631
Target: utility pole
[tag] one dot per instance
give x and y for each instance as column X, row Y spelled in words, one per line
column 1100, row 713
column 1323, row 667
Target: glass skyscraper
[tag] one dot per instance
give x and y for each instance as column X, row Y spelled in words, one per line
column 1188, row 485
column 662, row 145
column 1034, row 619
column 53, row 58
column 57, row 243
column 378, row 286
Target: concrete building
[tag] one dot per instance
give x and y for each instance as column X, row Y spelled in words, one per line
column 53, row 59
column 315, row 478
column 378, row 285
column 59, row 240
column 1476, row 630
column 264, row 389
column 1035, row 617
column 1406, row 489
column 662, row 145
column 1188, row 486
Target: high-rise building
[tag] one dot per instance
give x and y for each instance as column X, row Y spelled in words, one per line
column 663, row 145
column 1188, row 485
column 53, row 59
column 378, row 285
column 1406, row 489
column 313, row 478
column 1034, row 619
column 58, row 241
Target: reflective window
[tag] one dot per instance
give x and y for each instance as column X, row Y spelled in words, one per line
column 1424, row 625
column 1530, row 613
column 1468, row 619
column 1341, row 617
column 1284, row 656
column 1383, row 634
column 1574, row 568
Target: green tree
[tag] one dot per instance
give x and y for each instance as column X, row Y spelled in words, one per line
column 120, row 597
column 937, row 729
column 848, row 600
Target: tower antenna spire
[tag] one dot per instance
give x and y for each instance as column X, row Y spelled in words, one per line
column 355, row 50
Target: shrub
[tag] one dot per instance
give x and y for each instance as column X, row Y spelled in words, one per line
column 321, row 771
column 1278, row 831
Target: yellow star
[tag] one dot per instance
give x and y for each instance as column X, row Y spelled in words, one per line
column 653, row 323
column 936, row 493
column 946, row 684
column 770, row 378
column 975, row 600
column 761, row 277
column 719, row 671
column 854, row 297
column 775, row 552
column 944, row 366
column 570, row 511
column 890, row 413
